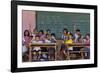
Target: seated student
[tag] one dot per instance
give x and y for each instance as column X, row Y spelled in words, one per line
column 44, row 39
column 87, row 48
column 69, row 41
column 44, row 49
column 34, row 33
column 37, row 50
column 26, row 40
column 51, row 51
column 53, row 38
column 78, row 38
column 50, row 38
column 79, row 41
column 64, row 35
column 47, row 38
column 42, row 35
column 63, row 49
column 76, row 35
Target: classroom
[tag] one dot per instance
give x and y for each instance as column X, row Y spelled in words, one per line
column 55, row 36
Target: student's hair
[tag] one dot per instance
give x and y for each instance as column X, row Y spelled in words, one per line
column 25, row 33
column 65, row 29
column 87, row 34
column 48, row 30
column 41, row 31
column 71, row 34
column 77, row 30
column 37, row 36
column 47, row 35
column 53, row 34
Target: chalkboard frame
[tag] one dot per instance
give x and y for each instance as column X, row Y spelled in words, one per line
column 14, row 5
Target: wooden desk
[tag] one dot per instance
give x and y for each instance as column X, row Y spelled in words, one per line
column 78, row 45
column 53, row 45
column 49, row 45
column 81, row 45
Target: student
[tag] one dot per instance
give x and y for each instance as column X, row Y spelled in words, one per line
column 42, row 35
column 34, row 33
column 69, row 41
column 26, row 40
column 53, row 38
column 44, row 49
column 76, row 35
column 78, row 38
column 37, row 50
column 64, row 35
column 63, row 49
column 51, row 51
column 48, row 38
column 87, row 48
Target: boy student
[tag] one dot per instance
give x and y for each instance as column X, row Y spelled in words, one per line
column 47, row 38
column 42, row 35
column 50, row 38
column 77, row 39
column 63, row 49
column 64, row 35
column 76, row 35
column 53, row 38
column 37, row 50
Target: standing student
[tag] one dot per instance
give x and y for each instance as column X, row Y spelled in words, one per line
column 26, row 40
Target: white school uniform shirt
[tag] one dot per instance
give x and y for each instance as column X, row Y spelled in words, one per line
column 47, row 41
column 37, row 42
column 33, row 36
column 76, row 37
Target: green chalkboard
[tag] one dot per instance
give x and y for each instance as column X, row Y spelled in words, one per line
column 56, row 21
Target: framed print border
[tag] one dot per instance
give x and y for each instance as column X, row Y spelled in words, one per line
column 14, row 38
